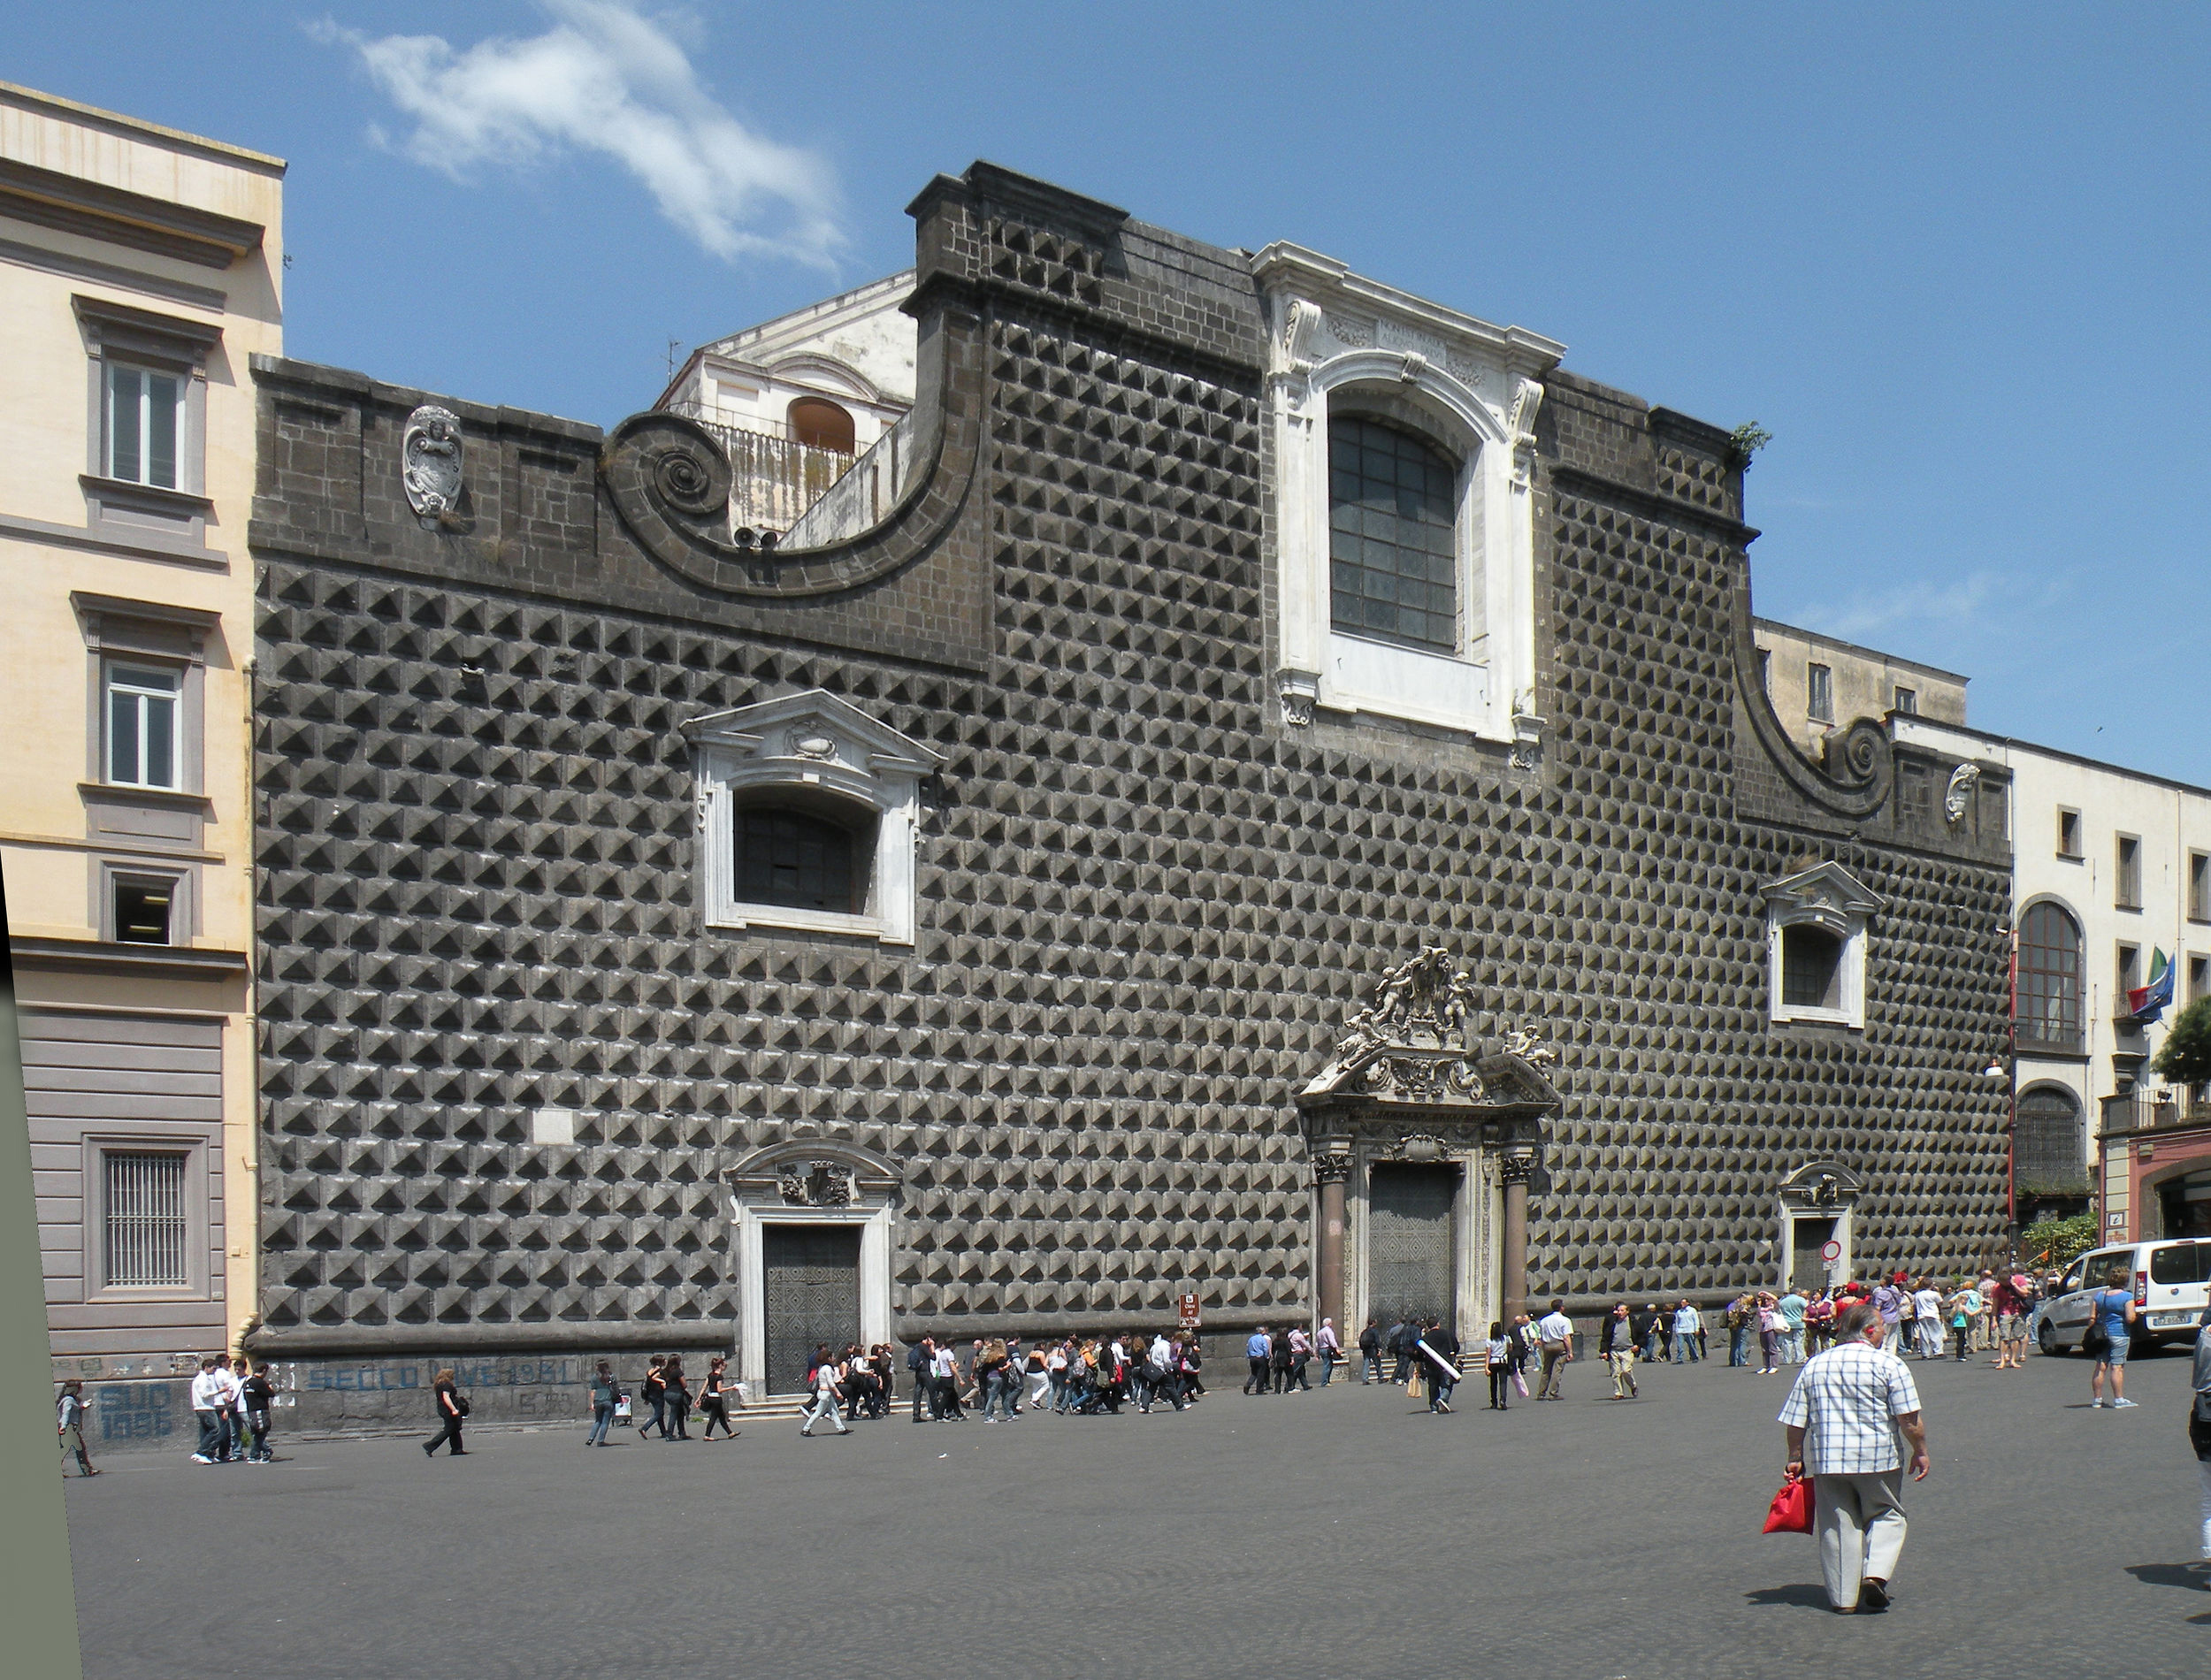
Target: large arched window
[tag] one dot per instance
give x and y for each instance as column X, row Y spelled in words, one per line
column 2047, row 1012
column 2048, row 1148
column 820, row 423
column 1393, row 561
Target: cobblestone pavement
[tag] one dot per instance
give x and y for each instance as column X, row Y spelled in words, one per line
column 1344, row 1533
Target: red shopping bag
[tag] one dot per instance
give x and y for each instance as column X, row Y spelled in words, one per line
column 1791, row 1512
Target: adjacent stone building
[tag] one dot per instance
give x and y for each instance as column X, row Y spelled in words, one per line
column 1279, row 806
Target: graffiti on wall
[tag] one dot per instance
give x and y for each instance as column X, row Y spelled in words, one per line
column 134, row 1411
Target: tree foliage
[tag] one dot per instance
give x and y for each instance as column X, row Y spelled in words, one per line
column 2185, row 1059
column 2058, row 1243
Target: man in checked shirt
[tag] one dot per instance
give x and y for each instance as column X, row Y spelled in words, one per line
column 1853, row 1402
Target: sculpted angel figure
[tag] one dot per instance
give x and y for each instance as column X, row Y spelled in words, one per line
column 1525, row 1042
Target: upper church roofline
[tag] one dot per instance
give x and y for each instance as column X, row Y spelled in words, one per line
column 1284, row 266
column 115, row 122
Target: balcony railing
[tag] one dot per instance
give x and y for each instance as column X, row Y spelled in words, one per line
column 776, row 482
column 2154, row 1110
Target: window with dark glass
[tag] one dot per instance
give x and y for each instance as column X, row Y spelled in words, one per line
column 2199, row 886
column 142, row 912
column 141, row 726
column 1819, row 693
column 2046, row 1141
column 2199, row 978
column 1907, row 702
column 2129, row 973
column 1811, row 968
column 799, row 861
column 2068, row 833
column 1393, row 569
column 2048, row 1002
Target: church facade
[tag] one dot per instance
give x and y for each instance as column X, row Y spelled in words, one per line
column 1275, row 804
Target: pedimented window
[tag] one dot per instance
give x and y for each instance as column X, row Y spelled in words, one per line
column 809, row 815
column 1817, row 931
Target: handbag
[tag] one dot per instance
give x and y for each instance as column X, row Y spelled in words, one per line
column 1791, row 1512
column 1416, row 1385
column 2093, row 1339
column 622, row 1409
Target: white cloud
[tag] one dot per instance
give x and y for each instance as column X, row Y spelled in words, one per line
column 605, row 79
column 1918, row 604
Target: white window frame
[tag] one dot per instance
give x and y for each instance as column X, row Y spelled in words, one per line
column 1342, row 343
column 115, row 671
column 810, row 742
column 180, row 423
column 1828, row 897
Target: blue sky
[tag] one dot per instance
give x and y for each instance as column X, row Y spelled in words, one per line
column 1952, row 258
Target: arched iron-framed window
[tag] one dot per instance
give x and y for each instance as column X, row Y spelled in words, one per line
column 1393, row 555
column 2047, row 1142
column 2047, row 1014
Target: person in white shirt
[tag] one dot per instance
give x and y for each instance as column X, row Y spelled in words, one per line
column 1686, row 1323
column 1843, row 1418
column 1555, row 1333
column 825, row 1398
column 210, row 1409
column 947, row 1375
column 1331, row 1349
column 1927, row 1307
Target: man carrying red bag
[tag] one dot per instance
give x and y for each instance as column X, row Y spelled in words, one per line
column 1853, row 1402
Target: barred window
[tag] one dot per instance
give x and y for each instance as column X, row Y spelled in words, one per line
column 1393, row 569
column 145, row 1219
column 1811, row 968
column 799, row 861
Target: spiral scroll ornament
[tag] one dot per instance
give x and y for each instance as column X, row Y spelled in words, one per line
column 692, row 481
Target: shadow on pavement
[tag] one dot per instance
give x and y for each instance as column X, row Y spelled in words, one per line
column 2194, row 1575
column 1804, row 1594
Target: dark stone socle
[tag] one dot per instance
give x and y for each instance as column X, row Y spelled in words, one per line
column 1146, row 903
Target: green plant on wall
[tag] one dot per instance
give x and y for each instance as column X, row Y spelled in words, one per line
column 2185, row 1059
column 2058, row 1243
column 1745, row 441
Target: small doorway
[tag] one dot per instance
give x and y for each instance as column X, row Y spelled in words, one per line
column 1411, row 1262
column 810, row 1285
column 2184, row 1205
column 1807, row 1262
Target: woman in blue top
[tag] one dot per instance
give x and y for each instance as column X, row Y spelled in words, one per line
column 2113, row 1311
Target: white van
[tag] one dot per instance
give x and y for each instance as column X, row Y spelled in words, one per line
column 2171, row 1281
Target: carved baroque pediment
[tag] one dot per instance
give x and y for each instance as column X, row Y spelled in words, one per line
column 1415, row 1043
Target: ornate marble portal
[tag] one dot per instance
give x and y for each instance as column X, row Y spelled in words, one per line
column 1412, row 1080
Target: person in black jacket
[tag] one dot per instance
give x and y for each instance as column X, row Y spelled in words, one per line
column 255, row 1396
column 1438, row 1350
column 678, row 1394
column 1370, row 1353
column 1408, row 1335
column 654, row 1392
column 450, row 1410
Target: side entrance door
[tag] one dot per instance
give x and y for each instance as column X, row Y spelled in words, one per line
column 810, row 1281
column 1808, row 1268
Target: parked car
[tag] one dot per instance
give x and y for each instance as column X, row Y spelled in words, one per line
column 2172, row 1282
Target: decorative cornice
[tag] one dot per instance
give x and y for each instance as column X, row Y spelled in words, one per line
column 1653, row 506
column 75, row 205
column 100, row 956
column 1864, row 750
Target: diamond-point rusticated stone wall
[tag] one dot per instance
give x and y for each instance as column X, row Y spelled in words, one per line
column 1145, row 903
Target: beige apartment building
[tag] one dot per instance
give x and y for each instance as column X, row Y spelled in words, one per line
column 139, row 269
column 1820, row 684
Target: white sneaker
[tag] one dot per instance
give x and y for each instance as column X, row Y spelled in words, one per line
column 2118, row 1405
column 202, row 1458
column 2094, row 1404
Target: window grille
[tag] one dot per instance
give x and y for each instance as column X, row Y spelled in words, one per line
column 1393, row 567
column 145, row 1219
column 800, row 862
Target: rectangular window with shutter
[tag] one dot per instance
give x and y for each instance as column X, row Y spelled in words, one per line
column 2199, row 886
column 2129, row 873
column 1819, row 693
column 146, row 1222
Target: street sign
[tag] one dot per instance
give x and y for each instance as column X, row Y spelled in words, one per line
column 1831, row 1252
column 1186, row 1310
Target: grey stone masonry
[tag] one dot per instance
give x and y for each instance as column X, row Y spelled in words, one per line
column 1146, row 905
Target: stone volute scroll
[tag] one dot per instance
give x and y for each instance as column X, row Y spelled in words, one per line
column 432, row 467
